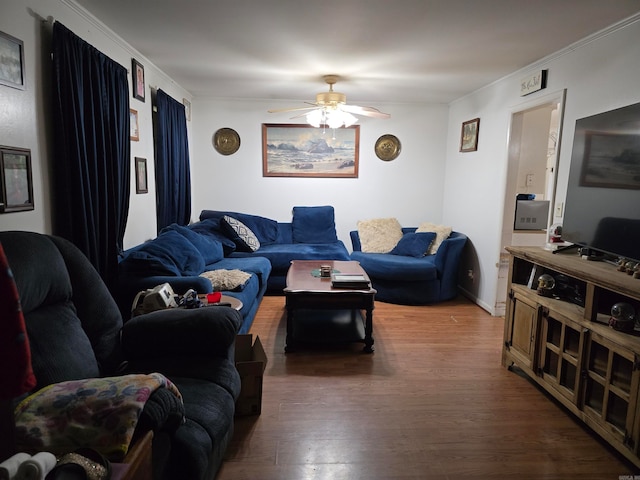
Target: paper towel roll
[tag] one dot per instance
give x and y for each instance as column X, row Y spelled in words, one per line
column 36, row 467
column 9, row 467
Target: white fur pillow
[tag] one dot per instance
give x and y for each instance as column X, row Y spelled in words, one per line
column 379, row 235
column 442, row 233
column 227, row 279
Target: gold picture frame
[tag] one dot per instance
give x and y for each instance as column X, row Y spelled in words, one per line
column 134, row 129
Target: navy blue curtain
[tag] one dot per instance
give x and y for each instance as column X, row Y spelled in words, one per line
column 92, row 150
column 173, row 174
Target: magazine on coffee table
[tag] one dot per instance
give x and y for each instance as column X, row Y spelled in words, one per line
column 349, row 280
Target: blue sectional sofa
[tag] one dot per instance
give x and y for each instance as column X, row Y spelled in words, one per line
column 410, row 280
column 178, row 255
column 311, row 235
column 257, row 245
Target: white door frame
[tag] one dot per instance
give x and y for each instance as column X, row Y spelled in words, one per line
column 514, row 139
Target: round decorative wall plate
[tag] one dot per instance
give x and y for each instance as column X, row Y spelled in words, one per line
column 388, row 147
column 226, row 141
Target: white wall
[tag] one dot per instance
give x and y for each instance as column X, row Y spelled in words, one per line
column 25, row 114
column 409, row 188
column 599, row 74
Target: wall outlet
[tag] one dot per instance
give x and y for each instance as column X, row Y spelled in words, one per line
column 559, row 208
column 529, row 180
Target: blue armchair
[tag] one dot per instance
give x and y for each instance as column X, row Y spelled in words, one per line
column 409, row 280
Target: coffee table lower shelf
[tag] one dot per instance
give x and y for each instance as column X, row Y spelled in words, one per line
column 327, row 327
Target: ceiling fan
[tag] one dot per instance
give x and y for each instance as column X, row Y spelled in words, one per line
column 331, row 109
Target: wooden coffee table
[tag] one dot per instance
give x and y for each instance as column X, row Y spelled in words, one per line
column 306, row 290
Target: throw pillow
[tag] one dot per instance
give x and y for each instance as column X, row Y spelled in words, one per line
column 243, row 237
column 379, row 235
column 168, row 254
column 209, row 248
column 227, row 279
column 414, row 244
column 265, row 229
column 442, row 233
column 314, row 225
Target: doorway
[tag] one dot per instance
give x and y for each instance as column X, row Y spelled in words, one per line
column 533, row 147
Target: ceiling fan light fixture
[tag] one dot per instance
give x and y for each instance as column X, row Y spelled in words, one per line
column 331, row 109
column 315, row 118
column 331, row 117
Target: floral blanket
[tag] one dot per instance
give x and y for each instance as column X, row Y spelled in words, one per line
column 101, row 413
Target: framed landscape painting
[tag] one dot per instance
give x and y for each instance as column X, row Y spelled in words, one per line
column 297, row 150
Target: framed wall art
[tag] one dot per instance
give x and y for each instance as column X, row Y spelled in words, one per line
column 134, row 129
column 16, row 183
column 137, row 77
column 299, row 150
column 141, row 175
column 11, row 61
column 469, row 135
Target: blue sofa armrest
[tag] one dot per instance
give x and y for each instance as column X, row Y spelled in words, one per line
column 447, row 259
column 207, row 331
column 355, row 241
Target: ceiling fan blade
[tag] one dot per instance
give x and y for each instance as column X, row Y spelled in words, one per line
column 365, row 111
column 303, row 114
column 293, row 109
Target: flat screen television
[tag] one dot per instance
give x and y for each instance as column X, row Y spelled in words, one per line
column 602, row 207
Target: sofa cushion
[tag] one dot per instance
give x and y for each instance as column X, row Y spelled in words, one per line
column 211, row 228
column 314, row 225
column 414, row 244
column 265, row 229
column 208, row 246
column 379, row 235
column 442, row 233
column 168, row 254
column 397, row 267
column 242, row 235
column 280, row 255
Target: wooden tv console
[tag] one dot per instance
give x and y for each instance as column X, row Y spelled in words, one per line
column 569, row 349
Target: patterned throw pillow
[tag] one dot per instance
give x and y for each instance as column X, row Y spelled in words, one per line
column 242, row 235
column 379, row 235
column 442, row 233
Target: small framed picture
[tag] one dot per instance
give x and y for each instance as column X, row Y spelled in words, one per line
column 137, row 76
column 469, row 135
column 11, row 61
column 141, row 175
column 134, row 131
column 16, row 193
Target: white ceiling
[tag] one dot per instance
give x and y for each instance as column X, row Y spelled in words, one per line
column 384, row 50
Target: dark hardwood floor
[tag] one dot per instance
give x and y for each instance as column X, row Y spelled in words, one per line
column 432, row 403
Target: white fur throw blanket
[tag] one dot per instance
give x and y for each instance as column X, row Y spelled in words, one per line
column 226, row 279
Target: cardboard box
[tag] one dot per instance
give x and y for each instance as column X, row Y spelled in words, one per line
column 251, row 362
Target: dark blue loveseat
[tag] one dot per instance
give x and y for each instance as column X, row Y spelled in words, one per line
column 409, row 280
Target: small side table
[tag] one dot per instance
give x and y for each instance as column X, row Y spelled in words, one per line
column 235, row 303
